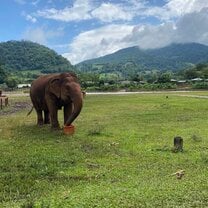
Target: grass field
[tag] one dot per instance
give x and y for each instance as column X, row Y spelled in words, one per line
column 120, row 155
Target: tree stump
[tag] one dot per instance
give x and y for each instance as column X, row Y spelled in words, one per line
column 178, row 144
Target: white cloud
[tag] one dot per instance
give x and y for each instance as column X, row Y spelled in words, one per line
column 98, row 42
column 191, row 27
column 125, row 10
column 41, row 35
column 181, row 7
column 30, row 18
column 149, row 36
column 89, row 9
column 108, row 12
column 175, row 8
column 35, row 3
column 79, row 11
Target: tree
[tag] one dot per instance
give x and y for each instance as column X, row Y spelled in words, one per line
column 191, row 73
column 164, row 78
column 201, row 66
column 11, row 82
column 136, row 77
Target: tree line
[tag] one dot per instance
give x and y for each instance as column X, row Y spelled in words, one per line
column 109, row 81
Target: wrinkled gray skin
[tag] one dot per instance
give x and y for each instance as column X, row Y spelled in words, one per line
column 52, row 92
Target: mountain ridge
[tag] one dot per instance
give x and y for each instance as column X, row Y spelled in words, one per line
column 172, row 57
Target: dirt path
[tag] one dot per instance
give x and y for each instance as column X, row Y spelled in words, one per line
column 175, row 93
column 139, row 92
column 195, row 96
column 21, row 94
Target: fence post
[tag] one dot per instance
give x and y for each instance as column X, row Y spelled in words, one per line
column 6, row 101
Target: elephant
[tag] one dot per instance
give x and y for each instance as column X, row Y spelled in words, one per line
column 49, row 93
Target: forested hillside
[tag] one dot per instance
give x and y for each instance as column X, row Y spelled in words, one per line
column 173, row 57
column 26, row 55
column 23, row 61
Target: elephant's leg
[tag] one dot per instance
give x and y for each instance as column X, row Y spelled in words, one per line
column 67, row 111
column 54, row 117
column 39, row 117
column 46, row 117
column 53, row 111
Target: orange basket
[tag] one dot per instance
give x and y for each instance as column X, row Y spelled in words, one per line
column 69, row 130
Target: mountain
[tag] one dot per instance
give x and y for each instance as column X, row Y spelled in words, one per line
column 26, row 55
column 172, row 57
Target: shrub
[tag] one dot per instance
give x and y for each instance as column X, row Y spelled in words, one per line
column 200, row 85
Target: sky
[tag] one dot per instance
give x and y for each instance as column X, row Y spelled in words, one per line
column 86, row 29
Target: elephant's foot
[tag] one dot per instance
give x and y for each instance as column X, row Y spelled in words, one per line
column 47, row 122
column 40, row 123
column 55, row 127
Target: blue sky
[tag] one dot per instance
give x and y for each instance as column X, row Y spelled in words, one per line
column 85, row 29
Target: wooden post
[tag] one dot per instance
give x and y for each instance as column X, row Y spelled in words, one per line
column 6, row 101
column 178, row 144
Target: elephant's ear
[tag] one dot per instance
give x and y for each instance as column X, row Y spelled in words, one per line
column 55, row 87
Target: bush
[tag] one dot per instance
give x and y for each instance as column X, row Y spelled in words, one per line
column 11, row 83
column 200, row 85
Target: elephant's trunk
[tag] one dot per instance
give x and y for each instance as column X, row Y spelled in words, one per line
column 77, row 102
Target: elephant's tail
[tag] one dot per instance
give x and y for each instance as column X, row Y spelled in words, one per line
column 30, row 111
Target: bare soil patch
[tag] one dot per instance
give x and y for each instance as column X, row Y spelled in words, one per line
column 15, row 107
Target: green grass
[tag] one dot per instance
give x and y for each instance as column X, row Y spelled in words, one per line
column 120, row 155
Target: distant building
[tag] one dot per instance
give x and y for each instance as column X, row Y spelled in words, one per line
column 19, row 86
column 142, row 82
column 181, row 81
column 126, row 82
column 197, row 79
column 173, row 80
